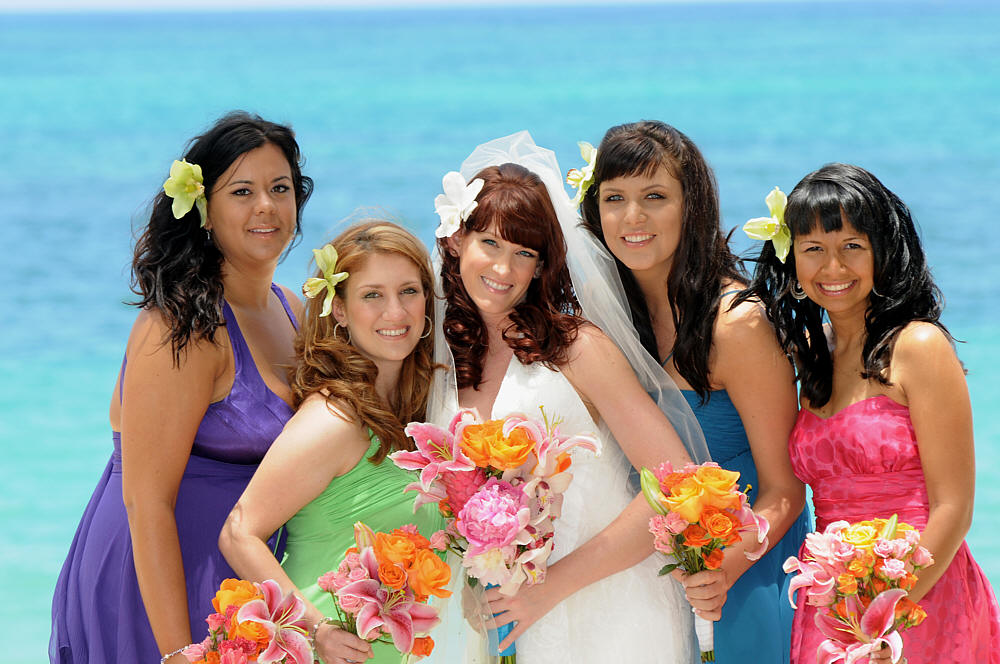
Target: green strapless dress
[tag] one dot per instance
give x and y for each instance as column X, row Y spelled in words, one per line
column 322, row 530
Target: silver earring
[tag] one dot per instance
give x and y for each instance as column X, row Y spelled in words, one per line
column 208, row 235
column 797, row 291
column 429, row 326
column 875, row 292
column 338, row 326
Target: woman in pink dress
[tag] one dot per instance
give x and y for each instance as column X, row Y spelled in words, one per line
column 886, row 425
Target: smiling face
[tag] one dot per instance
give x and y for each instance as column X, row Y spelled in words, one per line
column 836, row 268
column 251, row 210
column 496, row 273
column 383, row 307
column 641, row 217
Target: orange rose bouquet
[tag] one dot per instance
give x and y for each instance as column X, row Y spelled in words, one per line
column 699, row 512
column 253, row 622
column 382, row 586
column 499, row 483
column 859, row 574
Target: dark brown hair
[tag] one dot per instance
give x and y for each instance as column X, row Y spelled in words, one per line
column 515, row 204
column 702, row 261
column 327, row 363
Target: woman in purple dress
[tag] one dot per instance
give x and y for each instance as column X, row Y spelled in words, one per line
column 201, row 396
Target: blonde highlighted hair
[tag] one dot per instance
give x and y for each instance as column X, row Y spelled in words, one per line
column 328, row 364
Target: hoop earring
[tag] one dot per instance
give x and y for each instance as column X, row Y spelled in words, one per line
column 797, row 291
column 337, row 327
column 429, row 326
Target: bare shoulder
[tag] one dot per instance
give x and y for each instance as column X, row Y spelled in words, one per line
column 591, row 345
column 746, row 320
column 294, row 302
column 919, row 340
column 322, row 423
column 150, row 338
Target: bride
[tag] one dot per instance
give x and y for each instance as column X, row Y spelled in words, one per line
column 512, row 327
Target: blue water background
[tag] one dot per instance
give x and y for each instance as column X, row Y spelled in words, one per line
column 93, row 108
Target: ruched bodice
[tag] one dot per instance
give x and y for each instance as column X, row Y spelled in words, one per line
column 863, row 462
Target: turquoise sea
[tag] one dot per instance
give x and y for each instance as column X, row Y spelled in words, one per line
column 95, row 106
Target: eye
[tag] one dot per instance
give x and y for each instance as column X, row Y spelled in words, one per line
column 812, row 249
column 242, row 191
column 613, row 198
column 410, row 290
column 655, row 195
column 854, row 245
column 371, row 295
column 527, row 254
column 280, row 188
column 490, row 241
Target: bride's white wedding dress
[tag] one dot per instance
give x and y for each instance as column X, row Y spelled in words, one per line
column 633, row 616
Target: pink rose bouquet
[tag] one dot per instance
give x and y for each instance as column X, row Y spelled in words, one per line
column 859, row 575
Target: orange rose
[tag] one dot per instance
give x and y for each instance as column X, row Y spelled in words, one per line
column 394, row 549
column 908, row 581
column 695, row 536
column 422, row 646
column 419, row 541
column 212, row 658
column 429, row 574
column 687, row 498
column 858, row 569
column 717, row 523
column 486, row 445
column 847, row 584
column 714, row 559
column 673, row 479
column 878, row 585
column 234, row 592
column 253, row 631
column 392, row 575
column 909, row 611
column 719, row 486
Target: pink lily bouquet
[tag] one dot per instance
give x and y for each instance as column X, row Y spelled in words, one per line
column 254, row 622
column 859, row 575
column 382, row 586
column 499, row 483
column 699, row 512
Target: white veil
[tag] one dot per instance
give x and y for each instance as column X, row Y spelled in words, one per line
column 595, row 281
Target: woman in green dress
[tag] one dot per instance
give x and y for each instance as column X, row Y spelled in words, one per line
column 363, row 368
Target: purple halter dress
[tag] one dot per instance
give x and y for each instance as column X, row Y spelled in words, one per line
column 97, row 612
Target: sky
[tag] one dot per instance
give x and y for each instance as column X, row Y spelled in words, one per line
column 145, row 5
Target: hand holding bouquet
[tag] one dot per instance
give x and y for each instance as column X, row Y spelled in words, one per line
column 699, row 512
column 254, row 622
column 499, row 483
column 382, row 586
column 859, row 575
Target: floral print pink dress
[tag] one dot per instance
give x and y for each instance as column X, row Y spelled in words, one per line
column 863, row 462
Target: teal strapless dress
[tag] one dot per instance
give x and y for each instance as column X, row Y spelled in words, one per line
column 756, row 620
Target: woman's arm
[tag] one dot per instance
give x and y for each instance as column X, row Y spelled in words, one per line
column 314, row 447
column 749, row 364
column 162, row 406
column 599, row 371
column 925, row 366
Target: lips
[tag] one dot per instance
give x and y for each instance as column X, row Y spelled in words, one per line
column 393, row 333
column 496, row 285
column 637, row 238
column 264, row 230
column 835, row 289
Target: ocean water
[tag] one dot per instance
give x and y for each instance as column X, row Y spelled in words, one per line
column 94, row 107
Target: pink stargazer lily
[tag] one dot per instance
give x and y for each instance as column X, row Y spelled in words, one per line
column 284, row 619
column 395, row 611
column 437, row 450
column 549, row 443
column 850, row 641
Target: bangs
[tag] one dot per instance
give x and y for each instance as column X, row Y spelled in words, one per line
column 630, row 157
column 517, row 215
column 820, row 207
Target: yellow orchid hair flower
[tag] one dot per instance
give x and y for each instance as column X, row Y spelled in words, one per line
column 186, row 186
column 326, row 261
column 581, row 178
column 772, row 228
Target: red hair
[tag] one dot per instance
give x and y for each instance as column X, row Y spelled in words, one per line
column 515, row 204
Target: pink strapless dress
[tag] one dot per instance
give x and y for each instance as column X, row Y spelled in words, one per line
column 863, row 462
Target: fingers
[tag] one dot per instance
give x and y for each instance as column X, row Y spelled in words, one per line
column 706, row 592
column 337, row 645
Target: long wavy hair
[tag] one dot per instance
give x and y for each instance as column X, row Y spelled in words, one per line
column 175, row 268
column 326, row 362
column 515, row 205
column 903, row 290
column 702, row 261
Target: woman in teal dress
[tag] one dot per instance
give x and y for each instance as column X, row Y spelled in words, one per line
column 363, row 367
column 652, row 201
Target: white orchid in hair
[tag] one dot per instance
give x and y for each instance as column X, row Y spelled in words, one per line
column 456, row 203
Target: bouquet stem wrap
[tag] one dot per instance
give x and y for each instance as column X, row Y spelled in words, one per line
column 499, row 634
column 705, row 630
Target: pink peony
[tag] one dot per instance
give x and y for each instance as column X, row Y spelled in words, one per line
column 493, row 517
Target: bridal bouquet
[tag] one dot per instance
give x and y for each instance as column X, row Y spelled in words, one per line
column 859, row 575
column 499, row 484
column 382, row 586
column 699, row 512
column 254, row 622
